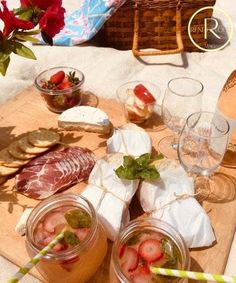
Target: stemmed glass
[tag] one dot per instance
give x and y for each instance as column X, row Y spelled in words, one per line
column 183, row 96
column 201, row 148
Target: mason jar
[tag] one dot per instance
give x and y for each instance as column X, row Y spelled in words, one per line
column 74, row 264
column 126, row 268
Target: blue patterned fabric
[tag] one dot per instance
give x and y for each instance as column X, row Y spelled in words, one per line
column 84, row 23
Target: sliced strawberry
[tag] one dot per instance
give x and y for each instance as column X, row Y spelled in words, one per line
column 82, row 233
column 150, row 250
column 57, row 78
column 141, row 278
column 144, row 94
column 65, row 84
column 58, row 247
column 130, row 259
column 52, row 220
column 122, row 251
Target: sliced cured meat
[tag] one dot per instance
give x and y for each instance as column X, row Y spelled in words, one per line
column 54, row 171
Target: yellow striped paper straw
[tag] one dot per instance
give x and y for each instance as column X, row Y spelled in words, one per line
column 24, row 270
column 193, row 275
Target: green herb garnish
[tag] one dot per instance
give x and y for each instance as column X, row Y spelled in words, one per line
column 78, row 218
column 139, row 168
column 171, row 253
column 71, row 239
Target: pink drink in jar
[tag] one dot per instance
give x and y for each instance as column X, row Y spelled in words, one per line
column 143, row 244
column 74, row 258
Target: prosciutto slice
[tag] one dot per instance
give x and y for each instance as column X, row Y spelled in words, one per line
column 54, row 171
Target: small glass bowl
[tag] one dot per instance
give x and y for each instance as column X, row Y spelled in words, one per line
column 60, row 100
column 135, row 113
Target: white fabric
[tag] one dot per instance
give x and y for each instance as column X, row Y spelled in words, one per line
column 110, row 196
column 186, row 215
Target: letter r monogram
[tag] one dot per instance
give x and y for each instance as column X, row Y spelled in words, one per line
column 206, row 29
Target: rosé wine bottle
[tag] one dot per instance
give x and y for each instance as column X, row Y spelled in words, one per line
column 145, row 243
column 66, row 262
column 227, row 104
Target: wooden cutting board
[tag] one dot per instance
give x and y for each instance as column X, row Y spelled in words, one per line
column 27, row 112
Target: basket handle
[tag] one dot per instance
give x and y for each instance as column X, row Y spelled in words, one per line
column 179, row 40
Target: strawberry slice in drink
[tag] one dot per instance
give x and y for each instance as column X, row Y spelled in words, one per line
column 57, row 78
column 144, row 94
column 54, row 220
column 58, row 247
column 130, row 260
column 150, row 250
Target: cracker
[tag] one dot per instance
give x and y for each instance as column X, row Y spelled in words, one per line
column 25, row 146
column 10, row 161
column 4, row 171
column 43, row 138
column 16, row 152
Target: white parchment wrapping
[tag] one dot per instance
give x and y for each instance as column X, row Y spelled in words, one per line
column 131, row 140
column 186, row 215
column 110, row 196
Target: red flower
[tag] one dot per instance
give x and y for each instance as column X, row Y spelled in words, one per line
column 11, row 22
column 42, row 4
column 52, row 21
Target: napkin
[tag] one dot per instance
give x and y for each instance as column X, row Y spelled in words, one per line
column 110, row 195
column 170, row 198
column 131, row 140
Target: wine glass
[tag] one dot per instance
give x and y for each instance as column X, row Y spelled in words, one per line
column 202, row 145
column 183, row 96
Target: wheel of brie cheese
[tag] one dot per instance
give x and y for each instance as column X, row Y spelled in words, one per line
column 85, row 118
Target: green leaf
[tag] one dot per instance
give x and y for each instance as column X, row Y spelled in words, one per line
column 78, row 218
column 71, row 239
column 139, row 168
column 4, row 65
column 128, row 161
column 26, row 38
column 32, row 32
column 5, row 50
column 22, row 50
column 149, row 174
column 144, row 159
column 128, row 173
column 24, row 13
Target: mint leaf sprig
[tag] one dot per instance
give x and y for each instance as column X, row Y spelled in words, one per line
column 139, row 168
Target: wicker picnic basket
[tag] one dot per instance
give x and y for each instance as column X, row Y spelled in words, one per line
column 156, row 24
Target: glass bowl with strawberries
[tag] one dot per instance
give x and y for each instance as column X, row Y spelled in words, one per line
column 140, row 100
column 61, row 87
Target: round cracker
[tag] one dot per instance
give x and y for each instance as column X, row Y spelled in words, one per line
column 10, row 161
column 25, row 146
column 43, row 138
column 3, row 179
column 16, row 152
column 4, row 171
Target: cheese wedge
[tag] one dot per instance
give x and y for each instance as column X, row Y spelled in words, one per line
column 85, row 118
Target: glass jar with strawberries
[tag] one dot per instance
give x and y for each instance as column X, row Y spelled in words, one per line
column 145, row 243
column 82, row 250
column 61, row 87
column 140, row 99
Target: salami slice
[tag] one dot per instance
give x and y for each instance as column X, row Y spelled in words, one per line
column 54, row 171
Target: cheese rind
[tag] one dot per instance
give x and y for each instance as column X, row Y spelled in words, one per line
column 85, row 118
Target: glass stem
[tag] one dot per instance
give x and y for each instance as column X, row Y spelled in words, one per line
column 175, row 141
